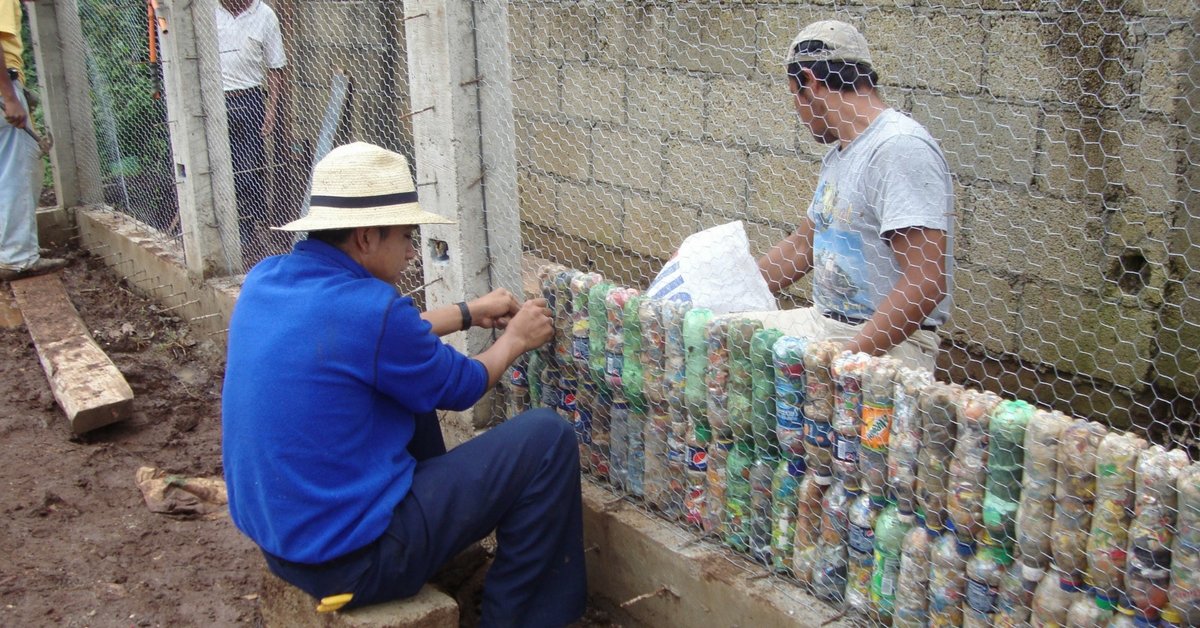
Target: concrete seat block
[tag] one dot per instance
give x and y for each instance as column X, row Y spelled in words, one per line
column 285, row 606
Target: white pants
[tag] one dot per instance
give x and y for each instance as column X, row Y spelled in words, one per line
column 918, row 351
column 20, row 169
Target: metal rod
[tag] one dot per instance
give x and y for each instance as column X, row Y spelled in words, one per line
column 204, row 316
column 413, row 113
column 219, row 331
column 184, row 304
column 421, row 287
column 413, row 17
column 471, row 81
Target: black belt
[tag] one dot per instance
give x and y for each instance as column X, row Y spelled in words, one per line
column 842, row 318
column 249, row 91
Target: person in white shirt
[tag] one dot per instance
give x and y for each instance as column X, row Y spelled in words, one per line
column 252, row 60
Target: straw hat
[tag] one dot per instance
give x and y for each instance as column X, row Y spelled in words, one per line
column 362, row 185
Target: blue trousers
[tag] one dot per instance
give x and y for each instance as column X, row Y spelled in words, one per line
column 521, row 479
column 246, row 110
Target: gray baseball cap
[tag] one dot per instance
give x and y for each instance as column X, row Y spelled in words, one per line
column 841, row 42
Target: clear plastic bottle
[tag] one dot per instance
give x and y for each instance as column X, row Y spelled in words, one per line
column 564, row 315
column 810, row 498
column 653, row 353
column 632, row 377
column 1074, row 496
column 1116, row 464
column 741, row 387
column 713, row 518
column 847, row 371
column 585, row 400
column 597, row 316
column 547, row 275
column 819, row 400
column 785, row 494
column 1053, row 599
column 581, row 287
column 677, row 467
column 1122, row 618
column 904, row 442
column 788, row 357
column 537, row 365
column 635, row 451
column 517, row 386
column 878, row 409
column 1093, row 611
column 968, row 469
column 937, row 407
column 601, row 433
column 860, row 551
column 912, row 585
column 674, row 312
column 891, row 528
column 985, row 573
column 618, row 452
column 1185, row 565
column 654, row 461
column 695, row 322
column 696, row 479
column 761, row 505
column 947, row 580
column 1035, row 515
column 1014, row 604
column 762, row 383
column 736, row 527
column 1156, row 499
column 1006, row 457
column 829, row 570
column 716, row 377
column 614, row 341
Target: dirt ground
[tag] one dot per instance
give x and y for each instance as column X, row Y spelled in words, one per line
column 79, row 546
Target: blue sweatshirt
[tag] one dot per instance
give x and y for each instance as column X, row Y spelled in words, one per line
column 327, row 366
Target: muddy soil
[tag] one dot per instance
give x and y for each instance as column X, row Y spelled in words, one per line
column 79, row 546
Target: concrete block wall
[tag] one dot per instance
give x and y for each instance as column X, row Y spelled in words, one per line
column 1067, row 124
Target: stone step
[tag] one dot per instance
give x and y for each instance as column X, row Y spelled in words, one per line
column 285, row 606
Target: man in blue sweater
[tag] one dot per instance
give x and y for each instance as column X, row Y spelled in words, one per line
column 334, row 458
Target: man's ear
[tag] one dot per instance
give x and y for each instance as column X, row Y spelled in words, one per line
column 361, row 238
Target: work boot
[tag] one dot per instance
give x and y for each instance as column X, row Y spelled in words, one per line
column 41, row 267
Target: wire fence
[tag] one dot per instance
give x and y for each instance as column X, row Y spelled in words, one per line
column 1041, row 468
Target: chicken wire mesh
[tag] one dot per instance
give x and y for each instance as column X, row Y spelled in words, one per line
column 1052, row 477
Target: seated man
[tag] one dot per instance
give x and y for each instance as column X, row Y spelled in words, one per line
column 333, row 456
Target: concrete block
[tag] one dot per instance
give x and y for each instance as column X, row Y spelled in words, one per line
column 593, row 93
column 556, row 147
column 655, row 228
column 1177, row 365
column 285, row 606
column 752, row 113
column 55, row 226
column 941, row 51
column 712, row 38
column 982, row 139
column 1000, row 5
column 618, row 265
column 537, row 196
column 536, row 86
column 558, row 31
column 777, row 26
column 632, row 35
column 341, row 23
column 1092, row 54
column 1010, row 232
column 985, row 310
column 762, row 237
column 708, row 175
column 1171, row 8
column 592, row 212
column 695, row 584
column 781, row 187
column 1165, row 76
column 666, row 102
column 1079, row 331
column 1137, row 259
column 1148, row 154
column 1020, row 62
column 626, row 157
column 1071, row 156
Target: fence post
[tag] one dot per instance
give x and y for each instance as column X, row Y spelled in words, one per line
column 59, row 53
column 464, row 146
column 199, row 138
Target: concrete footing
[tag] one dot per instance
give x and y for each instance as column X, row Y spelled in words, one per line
column 285, row 606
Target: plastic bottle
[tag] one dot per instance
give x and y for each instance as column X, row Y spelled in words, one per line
column 947, row 580
column 1014, row 603
column 696, row 495
column 677, row 467
column 618, row 453
column 891, row 527
column 614, row 342
column 1091, row 611
column 714, row 499
column 601, row 433
column 1053, row 599
column 597, row 316
column 537, row 365
column 819, row 400
column 635, row 451
column 878, row 409
column 761, row 504
column 1122, row 618
column 968, row 469
column 741, row 390
column 547, row 274
column 847, row 371
column 736, row 527
column 904, row 442
column 653, row 351
column 762, row 384
column 1035, row 515
column 1074, row 496
column 716, row 377
column 1107, row 545
column 785, row 494
column 810, row 498
column 1185, row 565
column 789, row 359
column 632, row 377
column 829, row 570
column 585, row 400
column 552, row 392
column 654, row 460
column 695, row 323
column 912, row 585
column 985, row 571
column 1006, row 458
column 564, row 317
column 518, row 386
column 581, row 287
column 860, row 551
column 674, row 353
column 1155, row 505
column 937, row 407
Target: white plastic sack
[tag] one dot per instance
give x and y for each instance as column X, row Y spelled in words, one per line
column 714, row 269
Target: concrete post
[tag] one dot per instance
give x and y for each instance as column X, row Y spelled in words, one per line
column 464, row 150
column 58, row 51
column 200, row 138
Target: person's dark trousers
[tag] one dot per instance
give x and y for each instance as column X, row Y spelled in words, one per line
column 521, row 479
column 245, row 110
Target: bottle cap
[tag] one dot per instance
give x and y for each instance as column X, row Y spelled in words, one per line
column 966, row 549
column 797, row 466
column 907, row 517
column 1104, row 602
column 1031, row 573
column 877, row 502
column 1172, row 616
column 824, row 479
column 1124, row 610
column 1069, row 585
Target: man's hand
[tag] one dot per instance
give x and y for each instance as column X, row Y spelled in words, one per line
column 494, row 310
column 532, row 326
column 15, row 113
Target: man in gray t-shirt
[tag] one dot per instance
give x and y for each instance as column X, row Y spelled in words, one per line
column 878, row 235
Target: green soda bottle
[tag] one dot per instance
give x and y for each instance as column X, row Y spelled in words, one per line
column 597, row 330
column 632, row 380
column 695, row 322
column 890, row 529
column 762, row 397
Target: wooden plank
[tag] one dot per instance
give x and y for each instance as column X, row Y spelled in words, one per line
column 85, row 382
